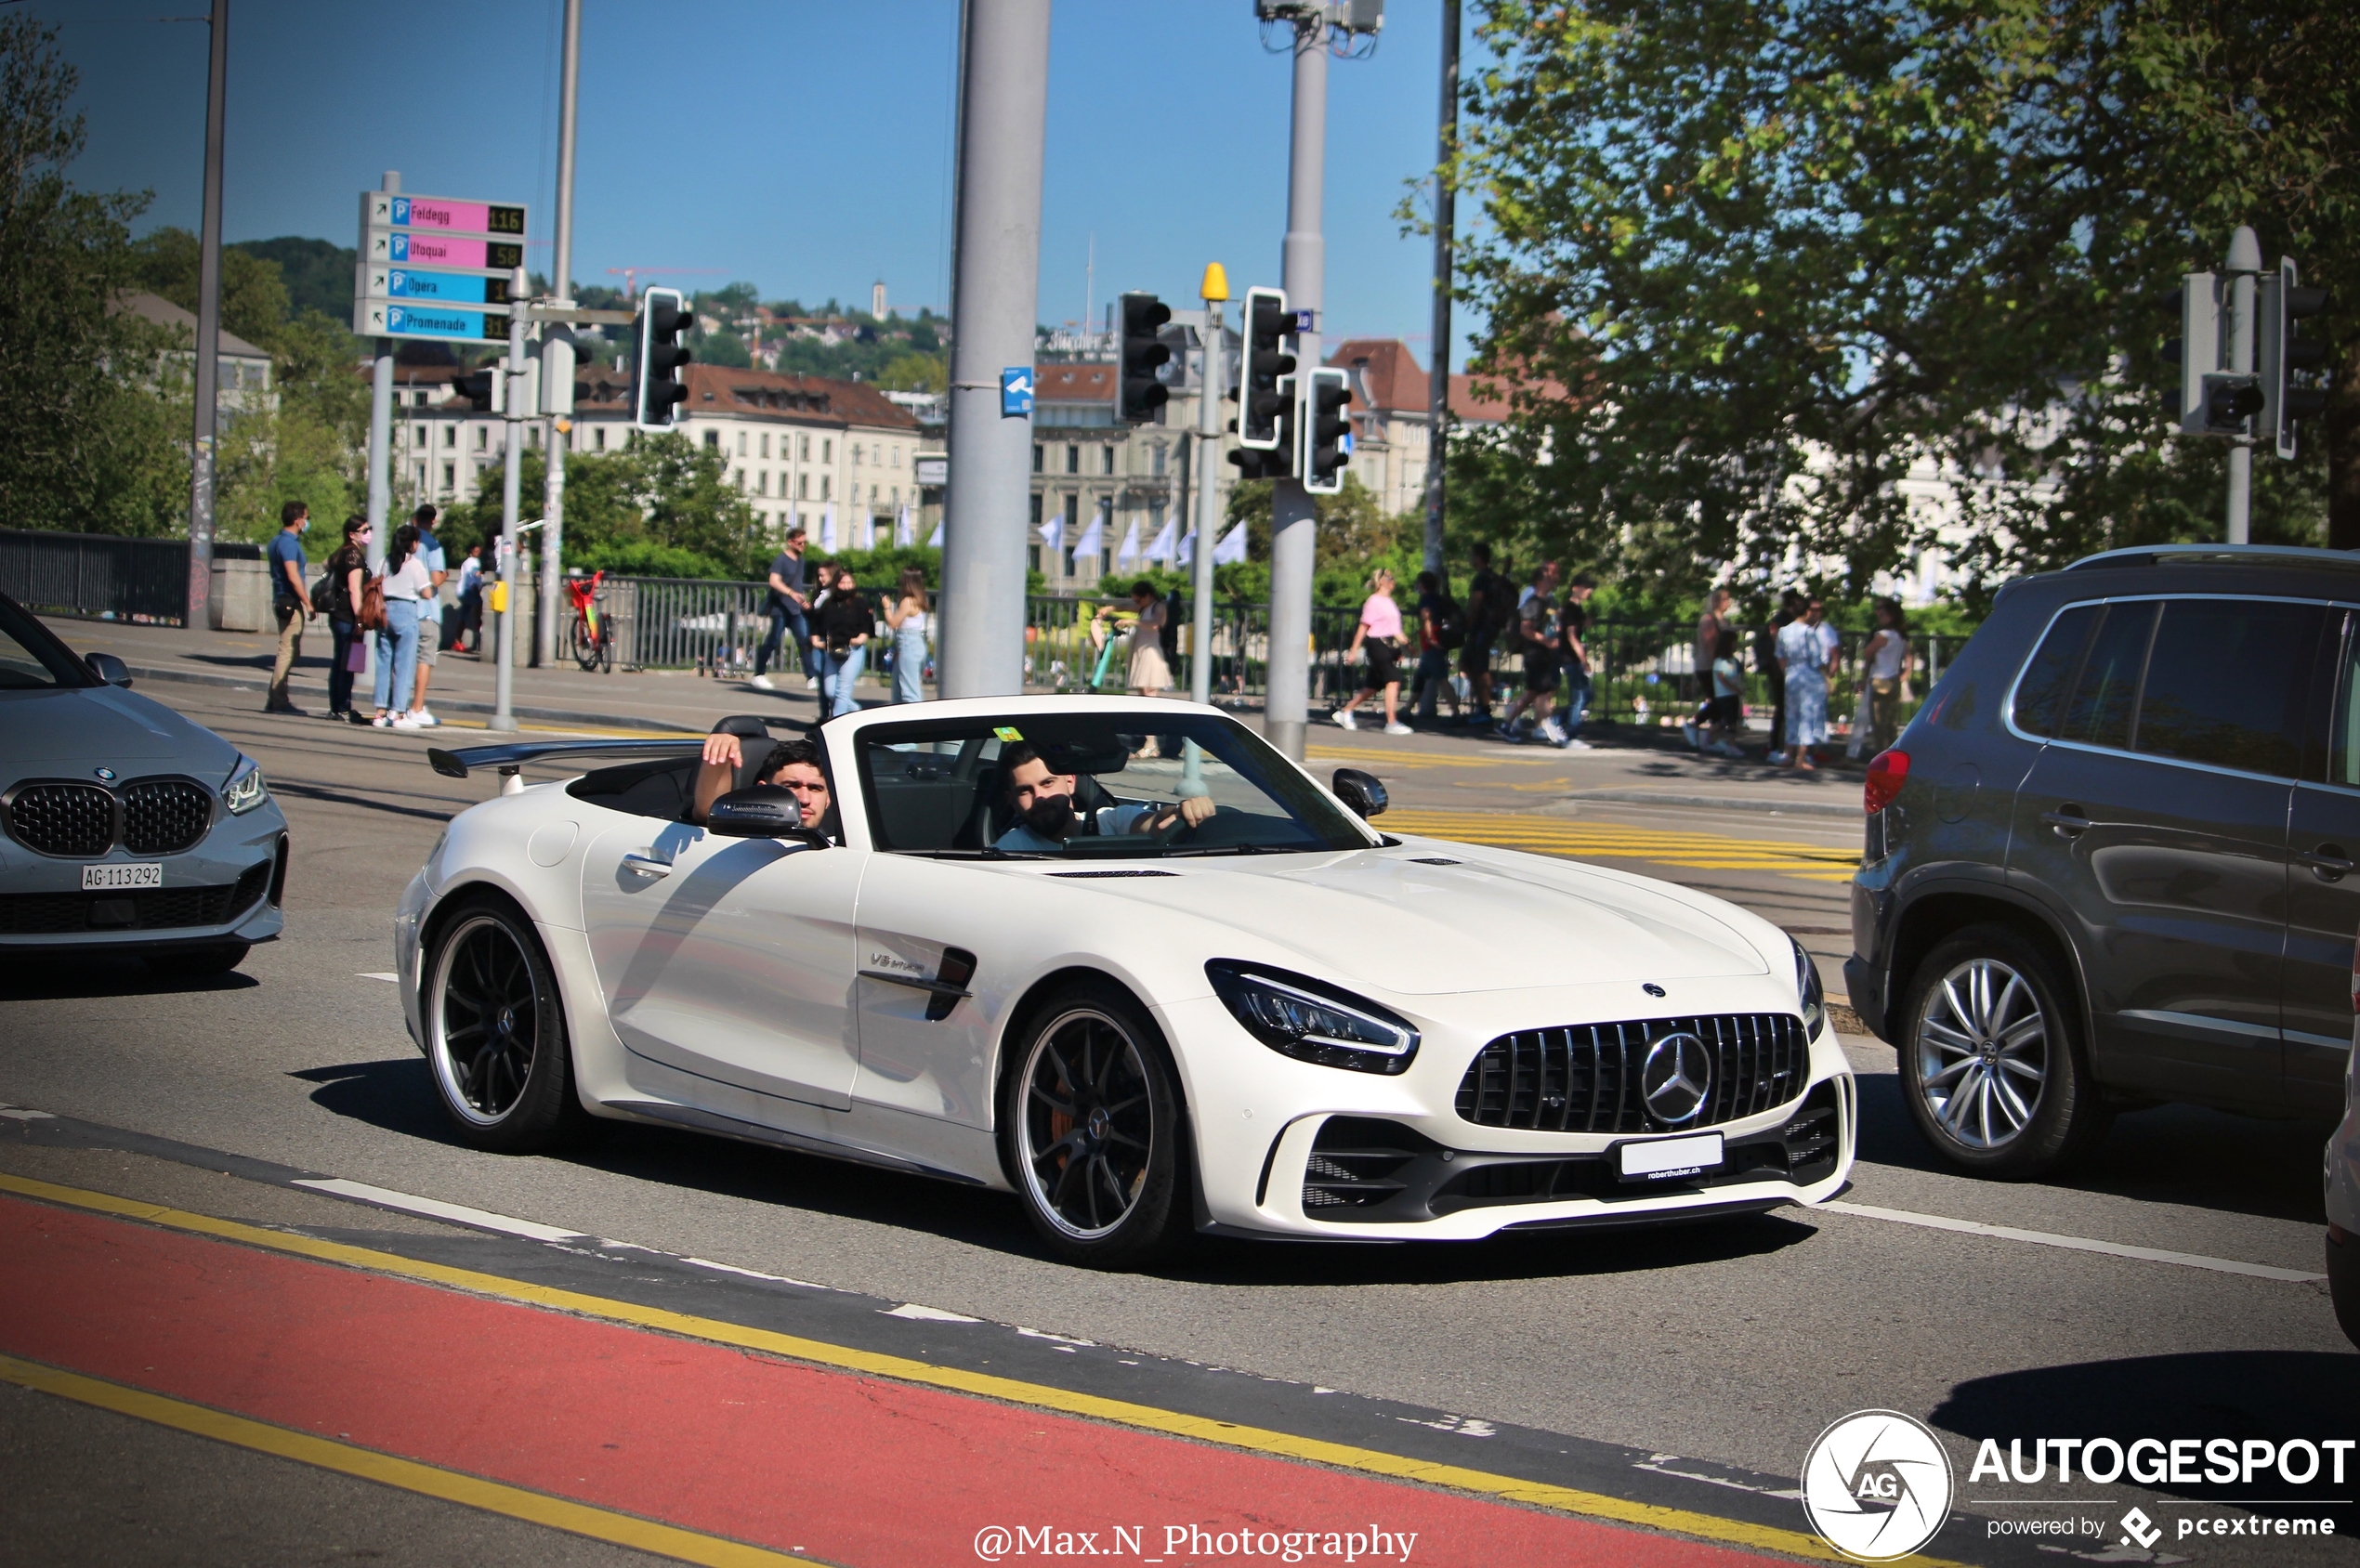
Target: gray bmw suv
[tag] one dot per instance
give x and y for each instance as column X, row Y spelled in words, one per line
column 2110, row 863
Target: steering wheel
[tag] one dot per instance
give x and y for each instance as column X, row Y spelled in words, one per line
column 1174, row 830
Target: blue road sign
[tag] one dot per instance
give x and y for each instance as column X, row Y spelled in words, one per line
column 448, row 288
column 410, row 320
column 1016, row 392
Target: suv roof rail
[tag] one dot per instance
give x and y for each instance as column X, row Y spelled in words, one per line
column 2220, row 555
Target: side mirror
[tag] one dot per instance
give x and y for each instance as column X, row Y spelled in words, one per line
column 107, row 668
column 1361, row 792
column 760, row 811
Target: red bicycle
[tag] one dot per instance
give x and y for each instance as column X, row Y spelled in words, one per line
column 593, row 633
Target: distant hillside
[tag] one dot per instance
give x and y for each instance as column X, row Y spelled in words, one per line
column 318, row 273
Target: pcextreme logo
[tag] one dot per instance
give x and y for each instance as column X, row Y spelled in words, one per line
column 1876, row 1486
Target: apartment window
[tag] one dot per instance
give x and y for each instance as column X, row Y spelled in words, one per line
column 449, row 474
column 766, row 443
column 1073, row 460
column 1106, row 462
column 712, row 440
column 422, row 436
column 762, row 482
column 450, row 435
column 741, row 482
column 1160, row 454
column 803, row 487
column 896, row 457
column 856, row 454
column 419, row 400
column 828, row 450
column 827, row 483
column 483, row 437
column 1037, row 449
column 803, row 447
column 422, row 476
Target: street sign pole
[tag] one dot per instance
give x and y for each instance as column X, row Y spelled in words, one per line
column 556, row 355
column 202, row 465
column 514, row 409
column 1003, row 104
column 1293, row 521
column 1438, row 381
column 1208, row 495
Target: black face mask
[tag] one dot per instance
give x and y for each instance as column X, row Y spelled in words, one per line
column 1051, row 815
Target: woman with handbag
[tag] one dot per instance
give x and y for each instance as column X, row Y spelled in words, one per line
column 405, row 584
column 846, row 623
column 1379, row 636
column 337, row 596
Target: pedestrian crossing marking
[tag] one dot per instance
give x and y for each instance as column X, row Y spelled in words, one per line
column 1610, row 840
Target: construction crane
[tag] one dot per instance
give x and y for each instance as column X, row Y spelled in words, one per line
column 631, row 275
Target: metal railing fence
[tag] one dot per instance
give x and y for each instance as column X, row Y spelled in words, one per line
column 103, row 576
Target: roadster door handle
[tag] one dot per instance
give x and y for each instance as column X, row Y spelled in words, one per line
column 2068, row 820
column 2329, row 862
column 647, row 865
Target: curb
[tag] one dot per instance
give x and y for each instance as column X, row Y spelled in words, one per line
column 457, row 705
column 1724, row 803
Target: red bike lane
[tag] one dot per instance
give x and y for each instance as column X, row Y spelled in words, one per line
column 709, row 1438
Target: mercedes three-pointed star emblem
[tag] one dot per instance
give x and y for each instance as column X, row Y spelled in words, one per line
column 1676, row 1078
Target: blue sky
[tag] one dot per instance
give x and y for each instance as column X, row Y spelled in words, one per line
column 801, row 145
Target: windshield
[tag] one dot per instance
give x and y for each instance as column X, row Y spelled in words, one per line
column 1119, row 786
column 31, row 659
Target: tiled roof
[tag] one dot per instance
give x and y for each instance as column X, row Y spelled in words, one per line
column 1073, row 383
column 163, row 313
column 717, row 389
column 1383, row 374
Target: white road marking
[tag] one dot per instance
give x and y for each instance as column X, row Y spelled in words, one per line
column 385, row 976
column 434, row 1208
column 18, row 1113
column 2073, row 1242
column 732, row 1268
column 927, row 1314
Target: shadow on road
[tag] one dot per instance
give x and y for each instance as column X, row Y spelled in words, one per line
column 395, row 1094
column 75, row 979
column 2274, row 1395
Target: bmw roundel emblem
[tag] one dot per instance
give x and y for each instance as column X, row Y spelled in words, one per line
column 106, row 775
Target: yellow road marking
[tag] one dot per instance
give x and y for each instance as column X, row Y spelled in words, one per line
column 1146, row 1417
column 452, row 1486
column 1703, row 852
column 1406, row 758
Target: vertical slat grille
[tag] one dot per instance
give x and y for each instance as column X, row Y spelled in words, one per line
column 1585, row 1077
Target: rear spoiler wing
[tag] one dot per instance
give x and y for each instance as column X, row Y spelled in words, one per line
column 510, row 757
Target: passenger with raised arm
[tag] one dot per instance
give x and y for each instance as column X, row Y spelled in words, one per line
column 794, row 766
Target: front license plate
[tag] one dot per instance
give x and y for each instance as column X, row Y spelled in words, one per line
column 1660, row 1160
column 118, row 874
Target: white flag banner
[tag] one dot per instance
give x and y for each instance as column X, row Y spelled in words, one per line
column 1052, row 532
column 1092, row 539
column 1188, row 546
column 1161, row 547
column 828, row 527
column 1127, row 554
column 1232, row 549
column 905, row 532
column 935, row 542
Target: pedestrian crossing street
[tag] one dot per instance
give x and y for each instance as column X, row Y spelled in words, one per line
column 1609, row 841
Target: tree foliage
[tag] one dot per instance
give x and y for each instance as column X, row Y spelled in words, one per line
column 1747, row 263
column 659, row 507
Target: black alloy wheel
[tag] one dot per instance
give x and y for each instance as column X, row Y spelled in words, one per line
column 1098, row 1134
column 496, row 1033
column 1992, row 1066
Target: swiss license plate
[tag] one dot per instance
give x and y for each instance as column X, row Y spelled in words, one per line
column 1662, row 1159
column 109, row 876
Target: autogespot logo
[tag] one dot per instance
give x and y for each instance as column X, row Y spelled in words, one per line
column 1876, row 1486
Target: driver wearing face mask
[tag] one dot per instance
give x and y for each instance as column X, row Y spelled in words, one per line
column 1045, row 817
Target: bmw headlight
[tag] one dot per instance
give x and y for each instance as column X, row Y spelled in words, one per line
column 246, row 790
column 1311, row 1021
column 1812, row 996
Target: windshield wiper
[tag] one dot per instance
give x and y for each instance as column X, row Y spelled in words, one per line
column 990, row 852
column 1199, row 852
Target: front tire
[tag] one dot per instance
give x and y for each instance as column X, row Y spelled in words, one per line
column 1991, row 1061
column 496, row 1034
column 1095, row 1133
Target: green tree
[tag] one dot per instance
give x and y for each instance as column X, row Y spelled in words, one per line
column 253, row 298
column 83, row 389
column 1745, row 265
column 916, row 373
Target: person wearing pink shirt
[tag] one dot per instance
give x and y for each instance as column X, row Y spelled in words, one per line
column 1379, row 634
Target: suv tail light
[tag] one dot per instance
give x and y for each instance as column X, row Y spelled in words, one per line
column 1889, row 770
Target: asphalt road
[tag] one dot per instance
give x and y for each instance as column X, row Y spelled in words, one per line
column 1733, row 1344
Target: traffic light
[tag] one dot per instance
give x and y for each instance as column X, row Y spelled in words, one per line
column 1325, row 431
column 481, row 389
column 1263, row 369
column 656, row 391
column 2213, row 401
column 2282, row 303
column 1138, row 354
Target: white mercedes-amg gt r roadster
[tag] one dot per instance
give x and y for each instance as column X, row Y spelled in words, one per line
column 1125, row 960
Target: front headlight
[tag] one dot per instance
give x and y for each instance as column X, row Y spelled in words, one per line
column 1811, row 995
column 246, row 790
column 1312, row 1021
